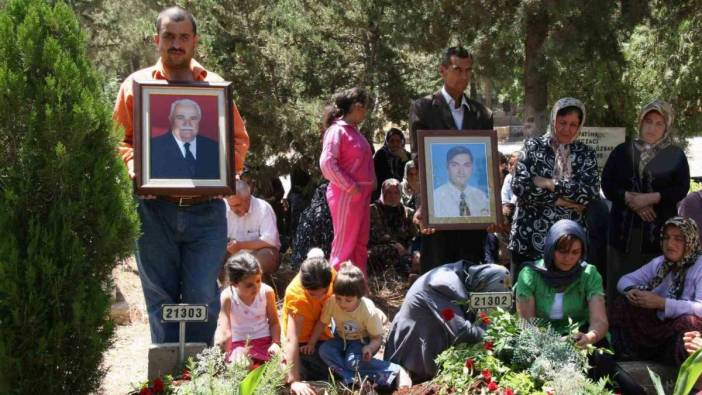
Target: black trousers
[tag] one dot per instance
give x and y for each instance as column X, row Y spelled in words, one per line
column 450, row 246
column 517, row 264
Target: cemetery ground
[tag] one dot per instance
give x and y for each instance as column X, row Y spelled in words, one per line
column 126, row 361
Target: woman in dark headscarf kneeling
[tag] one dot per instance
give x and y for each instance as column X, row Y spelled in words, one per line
column 431, row 320
column 562, row 288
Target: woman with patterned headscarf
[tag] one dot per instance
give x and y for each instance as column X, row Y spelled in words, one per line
column 410, row 185
column 663, row 299
column 555, row 178
column 645, row 179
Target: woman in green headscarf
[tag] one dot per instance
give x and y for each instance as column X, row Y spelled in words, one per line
column 645, row 179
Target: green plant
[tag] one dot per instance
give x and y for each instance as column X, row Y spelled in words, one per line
column 695, row 186
column 66, row 208
column 211, row 375
column 517, row 356
column 688, row 374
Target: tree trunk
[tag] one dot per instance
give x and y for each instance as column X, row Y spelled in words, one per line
column 535, row 77
column 486, row 84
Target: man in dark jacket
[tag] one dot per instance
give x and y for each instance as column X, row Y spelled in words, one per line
column 450, row 108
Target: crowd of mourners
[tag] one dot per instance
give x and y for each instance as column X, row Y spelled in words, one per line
column 638, row 290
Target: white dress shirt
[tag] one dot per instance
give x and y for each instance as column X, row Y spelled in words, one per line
column 258, row 223
column 457, row 113
column 507, row 195
column 447, row 199
column 557, row 307
column 181, row 145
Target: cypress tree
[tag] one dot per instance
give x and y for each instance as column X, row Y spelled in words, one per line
column 65, row 206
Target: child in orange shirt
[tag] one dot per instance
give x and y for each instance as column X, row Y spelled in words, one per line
column 302, row 306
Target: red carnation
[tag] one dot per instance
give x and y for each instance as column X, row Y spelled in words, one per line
column 447, row 314
column 186, row 374
column 492, row 386
column 487, row 376
column 488, row 346
column 508, row 391
column 469, row 363
column 484, row 317
column 145, row 391
column 158, row 385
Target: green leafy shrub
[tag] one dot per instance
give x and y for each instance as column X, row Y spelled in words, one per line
column 519, row 357
column 211, row 375
column 65, row 204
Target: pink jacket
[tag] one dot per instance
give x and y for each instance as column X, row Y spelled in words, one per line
column 347, row 159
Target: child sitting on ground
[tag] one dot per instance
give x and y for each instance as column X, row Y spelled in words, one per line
column 304, row 298
column 359, row 332
column 248, row 313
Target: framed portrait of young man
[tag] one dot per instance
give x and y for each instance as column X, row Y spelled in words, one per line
column 460, row 178
column 183, row 138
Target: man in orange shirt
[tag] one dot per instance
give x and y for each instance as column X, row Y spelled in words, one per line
column 183, row 240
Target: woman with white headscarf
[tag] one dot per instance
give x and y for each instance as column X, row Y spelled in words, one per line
column 555, row 178
column 645, row 179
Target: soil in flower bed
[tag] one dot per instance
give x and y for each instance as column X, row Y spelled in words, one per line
column 419, row 389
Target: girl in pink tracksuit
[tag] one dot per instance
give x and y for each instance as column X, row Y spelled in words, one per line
column 347, row 162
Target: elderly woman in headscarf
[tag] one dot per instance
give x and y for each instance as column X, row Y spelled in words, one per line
column 410, row 185
column 390, row 159
column 555, row 178
column 645, row 179
column 432, row 317
column 392, row 231
column 663, row 299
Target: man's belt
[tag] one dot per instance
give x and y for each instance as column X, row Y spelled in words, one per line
column 185, row 201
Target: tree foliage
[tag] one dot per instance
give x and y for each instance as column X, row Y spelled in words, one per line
column 64, row 204
column 665, row 61
column 288, row 57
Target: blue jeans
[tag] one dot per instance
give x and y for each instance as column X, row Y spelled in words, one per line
column 348, row 361
column 179, row 255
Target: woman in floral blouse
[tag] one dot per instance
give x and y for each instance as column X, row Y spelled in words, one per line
column 555, row 179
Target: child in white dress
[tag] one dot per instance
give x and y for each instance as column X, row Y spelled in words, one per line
column 248, row 313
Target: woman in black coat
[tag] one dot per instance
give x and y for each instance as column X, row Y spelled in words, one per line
column 390, row 159
column 645, row 179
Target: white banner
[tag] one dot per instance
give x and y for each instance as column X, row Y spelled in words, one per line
column 603, row 140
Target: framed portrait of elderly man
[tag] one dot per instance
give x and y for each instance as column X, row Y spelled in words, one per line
column 460, row 178
column 183, row 138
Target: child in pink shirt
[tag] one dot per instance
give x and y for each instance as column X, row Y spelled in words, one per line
column 347, row 162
